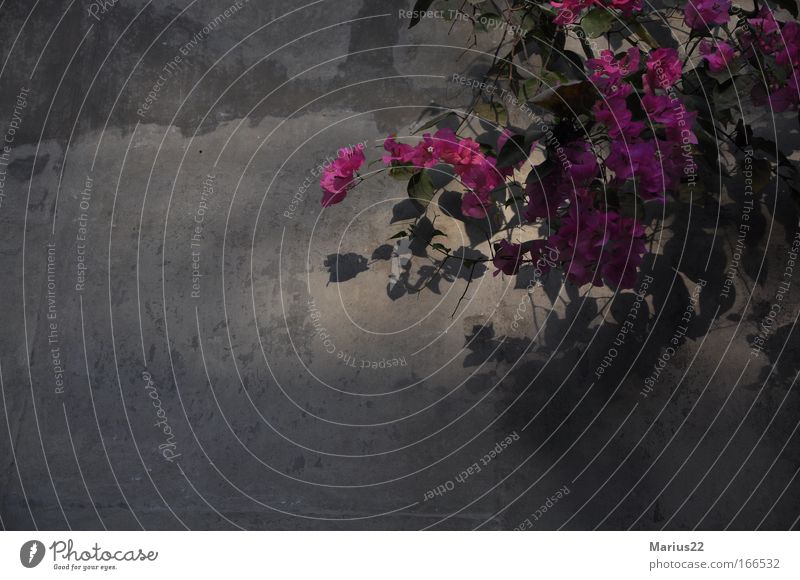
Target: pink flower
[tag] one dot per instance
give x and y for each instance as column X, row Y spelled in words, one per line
column 788, row 54
column 610, row 65
column 457, row 152
column 618, row 119
column 570, row 10
column 719, row 56
column 640, row 161
column 627, row 7
column 583, row 162
column 481, row 175
column 507, row 258
column 545, row 197
column 337, row 178
column 475, row 205
column 398, row 153
column 673, row 115
column 780, row 98
column 425, row 154
column 594, row 245
column 663, row 69
column 701, row 14
column 763, row 33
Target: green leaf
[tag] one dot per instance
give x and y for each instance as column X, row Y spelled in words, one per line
column 421, row 6
column 487, row 20
column 597, row 22
column 544, row 79
column 402, row 171
column 493, row 112
column 438, row 233
column 420, row 187
column 440, row 247
column 400, row 234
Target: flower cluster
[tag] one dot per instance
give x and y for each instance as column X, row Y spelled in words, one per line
column 570, row 10
column 656, row 150
column 339, row 176
column 774, row 49
column 476, row 170
column 591, row 246
column 705, row 14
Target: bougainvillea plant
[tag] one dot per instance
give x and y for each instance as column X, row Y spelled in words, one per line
column 634, row 122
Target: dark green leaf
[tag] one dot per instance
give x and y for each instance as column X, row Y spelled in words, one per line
column 401, row 234
column 438, row 233
column 420, row 187
column 493, row 112
column 488, row 20
column 597, row 21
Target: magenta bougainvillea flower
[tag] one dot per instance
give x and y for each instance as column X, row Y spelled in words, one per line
column 617, row 118
column 611, row 66
column 788, row 54
column 583, row 161
column 396, row 153
column 475, row 205
column 663, row 69
column 701, row 14
column 545, row 197
column 507, row 258
column 338, row 177
column 779, row 86
column 480, row 175
column 598, row 245
column 718, row 55
column 570, row 10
